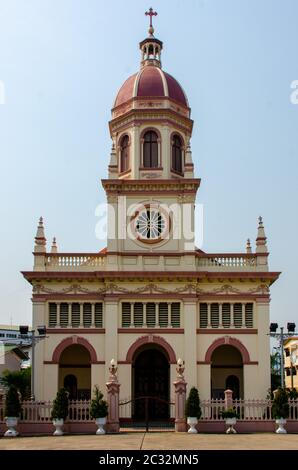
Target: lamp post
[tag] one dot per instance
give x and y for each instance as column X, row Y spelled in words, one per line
column 24, row 332
column 281, row 337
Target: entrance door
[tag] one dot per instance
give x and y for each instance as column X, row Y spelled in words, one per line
column 151, row 379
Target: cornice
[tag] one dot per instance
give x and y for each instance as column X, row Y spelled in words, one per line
column 152, row 186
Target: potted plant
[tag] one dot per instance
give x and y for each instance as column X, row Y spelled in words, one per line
column 193, row 409
column 60, row 411
column 12, row 411
column 230, row 416
column 280, row 409
column 99, row 410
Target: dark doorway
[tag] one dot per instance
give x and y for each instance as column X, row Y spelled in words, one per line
column 232, row 383
column 151, row 372
column 71, row 385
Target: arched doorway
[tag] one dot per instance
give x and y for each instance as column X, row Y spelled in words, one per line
column 226, row 371
column 75, row 371
column 71, row 385
column 151, row 378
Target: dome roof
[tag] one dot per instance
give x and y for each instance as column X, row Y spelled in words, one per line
column 151, row 81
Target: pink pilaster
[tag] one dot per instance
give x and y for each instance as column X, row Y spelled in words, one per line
column 228, row 399
column 113, row 387
column 180, row 398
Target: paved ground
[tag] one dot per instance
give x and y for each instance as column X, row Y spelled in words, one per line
column 155, row 441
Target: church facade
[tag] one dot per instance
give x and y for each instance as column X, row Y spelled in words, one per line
column 151, row 297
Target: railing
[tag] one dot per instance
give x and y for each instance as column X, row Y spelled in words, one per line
column 211, row 409
column 72, row 260
column 223, row 261
column 210, row 261
column 79, row 410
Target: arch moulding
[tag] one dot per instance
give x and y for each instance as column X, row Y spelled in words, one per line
column 71, row 341
column 227, row 340
column 150, row 339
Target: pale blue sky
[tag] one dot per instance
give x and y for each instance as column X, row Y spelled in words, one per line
column 62, row 61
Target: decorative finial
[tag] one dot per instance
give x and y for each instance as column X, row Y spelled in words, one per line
column 261, row 245
column 248, row 246
column 113, row 369
column 54, row 248
column 180, row 367
column 151, row 13
column 40, row 239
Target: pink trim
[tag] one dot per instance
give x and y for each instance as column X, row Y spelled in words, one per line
column 150, row 339
column 238, row 331
column 170, row 330
column 231, row 342
column 69, row 342
column 96, row 331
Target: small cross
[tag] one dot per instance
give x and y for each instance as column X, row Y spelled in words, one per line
column 150, row 13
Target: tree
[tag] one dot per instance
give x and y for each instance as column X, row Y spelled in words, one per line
column 21, row 379
column 280, row 406
column 99, row 407
column 192, row 406
column 12, row 403
column 60, row 405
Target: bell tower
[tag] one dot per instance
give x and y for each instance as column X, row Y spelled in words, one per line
column 151, row 187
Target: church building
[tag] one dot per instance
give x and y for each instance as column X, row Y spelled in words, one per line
column 151, row 297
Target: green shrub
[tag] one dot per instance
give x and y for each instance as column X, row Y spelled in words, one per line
column 229, row 413
column 13, row 406
column 192, row 406
column 280, row 406
column 60, row 405
column 99, row 407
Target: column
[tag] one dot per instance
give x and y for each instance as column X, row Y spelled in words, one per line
column 190, row 341
column 39, row 375
column 113, row 387
column 220, row 315
column 242, row 315
column 209, row 315
column 81, row 315
column 232, row 315
column 58, row 315
column 93, row 315
column 132, row 304
column 228, row 399
column 144, row 314
column 169, row 315
column 180, row 399
column 263, row 348
column 156, row 314
column 111, row 336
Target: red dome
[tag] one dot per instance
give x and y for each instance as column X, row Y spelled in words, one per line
column 151, row 81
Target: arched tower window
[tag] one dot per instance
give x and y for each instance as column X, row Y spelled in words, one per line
column 150, row 150
column 124, row 153
column 177, row 153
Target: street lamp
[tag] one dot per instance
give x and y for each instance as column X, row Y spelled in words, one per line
column 31, row 336
column 281, row 337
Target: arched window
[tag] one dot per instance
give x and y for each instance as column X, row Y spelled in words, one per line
column 124, row 154
column 150, row 150
column 177, row 154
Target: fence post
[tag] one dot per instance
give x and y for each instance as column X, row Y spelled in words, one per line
column 228, row 399
column 180, row 397
column 113, row 387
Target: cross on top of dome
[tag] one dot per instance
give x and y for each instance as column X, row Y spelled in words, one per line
column 151, row 13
